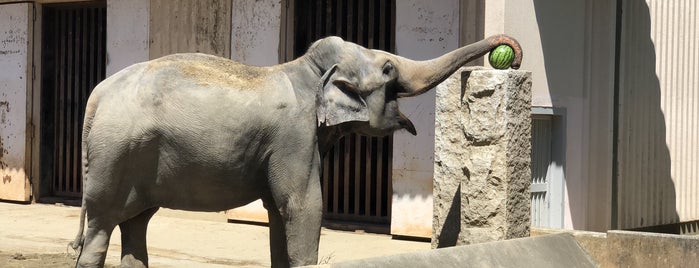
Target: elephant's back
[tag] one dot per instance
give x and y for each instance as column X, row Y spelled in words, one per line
column 207, row 70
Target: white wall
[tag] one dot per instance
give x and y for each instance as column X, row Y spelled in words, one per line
column 424, row 30
column 255, row 30
column 552, row 36
column 14, row 44
column 571, row 59
column 127, row 33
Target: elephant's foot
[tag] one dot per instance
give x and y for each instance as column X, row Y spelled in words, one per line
column 129, row 261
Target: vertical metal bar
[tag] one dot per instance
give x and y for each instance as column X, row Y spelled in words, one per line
column 360, row 22
column 70, row 98
column 367, row 193
column 318, row 19
column 379, row 174
column 357, row 172
column 61, row 100
column 56, row 96
column 382, row 25
column 338, row 23
column 370, row 27
column 78, row 104
column 336, row 176
column 101, row 54
column 329, row 17
column 351, row 22
column 326, row 168
column 389, row 179
column 392, row 36
column 346, row 180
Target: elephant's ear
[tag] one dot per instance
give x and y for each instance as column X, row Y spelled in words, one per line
column 339, row 100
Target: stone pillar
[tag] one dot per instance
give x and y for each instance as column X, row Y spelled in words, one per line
column 482, row 157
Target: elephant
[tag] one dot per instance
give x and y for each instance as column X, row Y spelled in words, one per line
column 198, row 132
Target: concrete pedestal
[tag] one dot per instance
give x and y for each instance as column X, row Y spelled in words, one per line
column 482, row 157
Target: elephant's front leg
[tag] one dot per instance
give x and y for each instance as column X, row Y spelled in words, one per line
column 295, row 214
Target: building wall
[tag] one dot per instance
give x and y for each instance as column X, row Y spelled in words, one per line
column 178, row 26
column 568, row 47
column 15, row 85
column 424, row 30
column 127, row 33
column 255, row 31
column 658, row 123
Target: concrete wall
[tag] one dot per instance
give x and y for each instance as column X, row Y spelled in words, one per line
column 255, row 31
column 424, row 30
column 15, row 69
column 182, row 26
column 568, row 46
column 634, row 249
column 127, row 33
column 658, row 141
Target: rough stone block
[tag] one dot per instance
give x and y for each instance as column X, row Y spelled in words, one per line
column 482, row 157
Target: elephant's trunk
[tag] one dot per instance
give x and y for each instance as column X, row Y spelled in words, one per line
column 416, row 77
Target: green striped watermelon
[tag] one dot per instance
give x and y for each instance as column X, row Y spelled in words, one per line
column 501, row 57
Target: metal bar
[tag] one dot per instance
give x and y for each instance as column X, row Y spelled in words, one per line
column 346, row 181
column 336, row 176
column 392, row 32
column 360, row 22
column 357, row 172
column 56, row 96
column 78, row 104
column 367, row 179
column 101, row 37
column 379, row 173
column 318, row 19
column 326, row 168
column 329, row 17
column 370, row 32
column 61, row 101
column 389, row 179
column 382, row 25
column 351, row 22
column 338, row 23
column 69, row 99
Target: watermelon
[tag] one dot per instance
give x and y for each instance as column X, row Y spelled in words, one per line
column 501, row 57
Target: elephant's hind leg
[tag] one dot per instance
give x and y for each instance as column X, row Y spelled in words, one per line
column 94, row 250
column 133, row 239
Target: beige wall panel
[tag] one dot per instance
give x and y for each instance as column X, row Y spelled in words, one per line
column 658, row 143
column 424, row 30
column 190, row 26
column 14, row 65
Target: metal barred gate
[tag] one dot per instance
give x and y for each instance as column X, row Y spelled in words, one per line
column 73, row 62
column 356, row 176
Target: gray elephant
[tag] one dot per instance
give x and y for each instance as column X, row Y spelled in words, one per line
column 203, row 133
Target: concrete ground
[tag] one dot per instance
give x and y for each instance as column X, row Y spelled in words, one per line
column 37, row 236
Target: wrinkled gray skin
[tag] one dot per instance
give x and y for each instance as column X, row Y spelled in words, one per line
column 203, row 133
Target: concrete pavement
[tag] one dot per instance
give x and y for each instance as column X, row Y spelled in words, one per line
column 175, row 239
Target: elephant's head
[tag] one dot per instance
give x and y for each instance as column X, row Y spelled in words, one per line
column 360, row 87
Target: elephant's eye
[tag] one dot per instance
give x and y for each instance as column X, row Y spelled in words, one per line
column 387, row 68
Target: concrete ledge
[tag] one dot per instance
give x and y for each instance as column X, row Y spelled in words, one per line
column 557, row 250
column 634, row 249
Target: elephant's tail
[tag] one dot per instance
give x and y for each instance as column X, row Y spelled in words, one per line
column 80, row 238
column 87, row 125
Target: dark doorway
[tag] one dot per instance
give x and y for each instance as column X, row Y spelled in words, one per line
column 73, row 62
column 356, row 175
